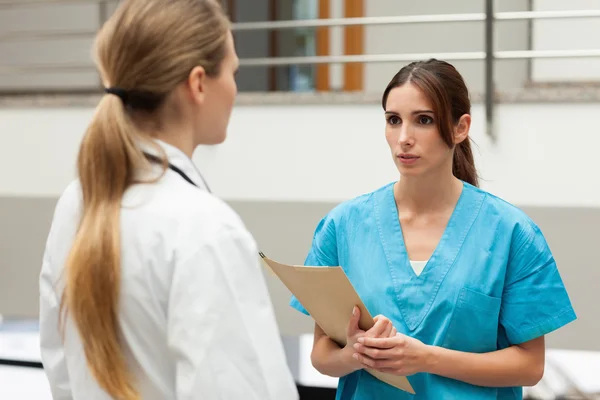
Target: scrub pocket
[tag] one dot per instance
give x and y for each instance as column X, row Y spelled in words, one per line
column 474, row 324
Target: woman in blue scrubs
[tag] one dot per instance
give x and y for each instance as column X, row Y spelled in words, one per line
column 466, row 279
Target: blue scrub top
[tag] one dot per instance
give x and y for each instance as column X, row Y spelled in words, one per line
column 490, row 283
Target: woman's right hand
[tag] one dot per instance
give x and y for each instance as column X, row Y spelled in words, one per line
column 383, row 328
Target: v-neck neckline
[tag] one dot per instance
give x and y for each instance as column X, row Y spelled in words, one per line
column 439, row 246
column 416, row 293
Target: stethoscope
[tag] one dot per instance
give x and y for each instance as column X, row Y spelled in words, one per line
column 178, row 171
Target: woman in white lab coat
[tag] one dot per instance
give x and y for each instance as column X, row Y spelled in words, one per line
column 151, row 287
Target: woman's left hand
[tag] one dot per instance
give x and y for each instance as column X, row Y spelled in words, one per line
column 398, row 355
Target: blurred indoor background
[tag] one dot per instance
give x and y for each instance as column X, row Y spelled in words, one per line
column 307, row 132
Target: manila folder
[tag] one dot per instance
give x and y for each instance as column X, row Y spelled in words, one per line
column 329, row 297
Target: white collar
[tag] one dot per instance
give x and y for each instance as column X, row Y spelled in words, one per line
column 176, row 158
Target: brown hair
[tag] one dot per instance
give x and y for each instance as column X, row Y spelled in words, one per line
column 448, row 93
column 145, row 50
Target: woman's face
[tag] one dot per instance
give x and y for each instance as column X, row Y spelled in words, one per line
column 221, row 91
column 412, row 133
column 208, row 100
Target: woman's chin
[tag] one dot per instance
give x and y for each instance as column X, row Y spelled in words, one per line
column 409, row 170
column 213, row 139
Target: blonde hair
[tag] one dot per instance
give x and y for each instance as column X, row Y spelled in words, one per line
column 146, row 49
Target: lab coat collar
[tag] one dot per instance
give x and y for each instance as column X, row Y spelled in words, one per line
column 176, row 158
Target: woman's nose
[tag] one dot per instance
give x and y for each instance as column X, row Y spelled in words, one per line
column 405, row 136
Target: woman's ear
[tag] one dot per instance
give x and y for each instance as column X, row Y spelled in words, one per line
column 196, row 84
column 461, row 129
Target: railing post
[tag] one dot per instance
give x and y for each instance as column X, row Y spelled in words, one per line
column 489, row 67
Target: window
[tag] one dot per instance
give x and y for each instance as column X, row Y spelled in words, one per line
column 275, row 43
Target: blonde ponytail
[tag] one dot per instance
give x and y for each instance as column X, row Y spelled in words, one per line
column 144, row 51
column 107, row 158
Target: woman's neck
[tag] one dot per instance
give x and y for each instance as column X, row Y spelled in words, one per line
column 179, row 141
column 171, row 131
column 424, row 194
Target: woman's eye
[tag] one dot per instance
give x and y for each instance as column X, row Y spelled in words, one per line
column 394, row 120
column 425, row 120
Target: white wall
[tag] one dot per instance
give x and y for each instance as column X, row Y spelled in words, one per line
column 545, row 154
column 566, row 34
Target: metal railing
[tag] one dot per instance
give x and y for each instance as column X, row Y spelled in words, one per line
column 488, row 55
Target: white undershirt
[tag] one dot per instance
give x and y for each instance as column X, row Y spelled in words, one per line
column 418, row 266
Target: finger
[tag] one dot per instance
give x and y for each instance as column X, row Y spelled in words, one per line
column 375, row 353
column 365, row 361
column 381, row 322
column 380, row 316
column 394, row 332
column 353, row 323
column 388, row 330
column 378, row 329
column 381, row 343
column 368, row 362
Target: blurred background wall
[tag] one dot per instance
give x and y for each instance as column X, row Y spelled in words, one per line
column 305, row 137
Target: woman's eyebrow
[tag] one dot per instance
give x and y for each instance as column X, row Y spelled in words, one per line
column 414, row 112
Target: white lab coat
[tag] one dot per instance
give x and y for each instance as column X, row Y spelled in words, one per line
column 195, row 315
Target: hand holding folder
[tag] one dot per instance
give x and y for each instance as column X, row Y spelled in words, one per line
column 329, row 298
